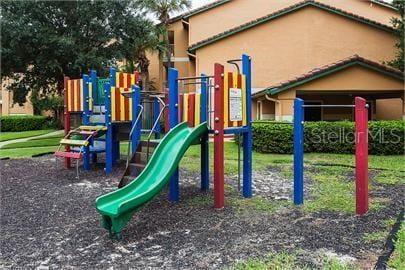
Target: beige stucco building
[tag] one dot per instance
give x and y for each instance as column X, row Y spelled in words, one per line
column 7, row 107
column 324, row 51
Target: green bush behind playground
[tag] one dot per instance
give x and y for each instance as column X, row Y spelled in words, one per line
column 25, row 123
column 385, row 137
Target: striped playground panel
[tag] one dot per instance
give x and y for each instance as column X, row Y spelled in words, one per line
column 74, row 91
column 190, row 108
column 121, row 107
column 235, row 81
column 126, row 80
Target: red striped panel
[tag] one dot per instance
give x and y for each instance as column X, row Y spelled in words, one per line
column 78, row 87
column 240, row 87
column 190, row 109
column 117, row 103
column 181, row 108
column 230, row 85
column 72, row 95
column 121, row 80
column 136, row 77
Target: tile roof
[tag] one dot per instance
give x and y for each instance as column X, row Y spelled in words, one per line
column 195, row 11
column 383, row 3
column 285, row 11
column 327, row 69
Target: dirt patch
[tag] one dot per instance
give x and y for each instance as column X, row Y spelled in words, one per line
column 48, row 219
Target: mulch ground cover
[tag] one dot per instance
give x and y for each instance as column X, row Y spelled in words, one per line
column 48, row 220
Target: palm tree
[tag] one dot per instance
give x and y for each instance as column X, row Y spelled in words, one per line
column 136, row 37
column 162, row 9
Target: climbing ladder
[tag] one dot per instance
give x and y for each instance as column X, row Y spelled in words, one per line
column 75, row 148
column 145, row 148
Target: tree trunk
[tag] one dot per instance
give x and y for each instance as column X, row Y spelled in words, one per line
column 144, row 67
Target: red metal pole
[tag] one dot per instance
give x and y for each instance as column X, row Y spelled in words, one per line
column 219, row 200
column 66, row 120
column 361, row 116
column 191, row 112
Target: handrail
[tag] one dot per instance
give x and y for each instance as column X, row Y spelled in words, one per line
column 131, row 132
column 154, row 126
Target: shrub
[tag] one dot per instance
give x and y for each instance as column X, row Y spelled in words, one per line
column 385, row 137
column 24, row 123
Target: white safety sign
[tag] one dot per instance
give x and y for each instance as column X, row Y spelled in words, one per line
column 235, row 104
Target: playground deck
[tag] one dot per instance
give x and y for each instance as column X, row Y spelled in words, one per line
column 48, row 219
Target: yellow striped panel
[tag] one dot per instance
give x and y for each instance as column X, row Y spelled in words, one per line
column 69, row 96
column 130, row 109
column 117, row 79
column 75, row 97
column 226, row 100
column 244, row 116
column 112, row 100
column 235, row 80
column 81, row 95
column 185, row 107
column 90, row 96
column 132, row 80
column 122, row 103
column 197, row 109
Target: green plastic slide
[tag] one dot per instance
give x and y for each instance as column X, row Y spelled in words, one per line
column 117, row 207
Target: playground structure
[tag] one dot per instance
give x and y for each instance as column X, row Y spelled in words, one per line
column 361, row 142
column 108, row 107
column 222, row 106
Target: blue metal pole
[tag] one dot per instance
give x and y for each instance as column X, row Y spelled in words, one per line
column 86, row 113
column 174, row 194
column 136, row 101
column 247, row 136
column 94, row 84
column 298, row 151
column 86, row 119
column 205, row 173
column 156, row 111
column 115, row 144
column 109, row 134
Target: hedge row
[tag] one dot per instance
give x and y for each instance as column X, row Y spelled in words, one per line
column 385, row 137
column 24, row 123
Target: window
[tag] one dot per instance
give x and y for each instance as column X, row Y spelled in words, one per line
column 171, row 42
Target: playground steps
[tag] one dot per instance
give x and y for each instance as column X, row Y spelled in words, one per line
column 73, row 155
column 93, row 128
column 138, row 161
column 74, row 142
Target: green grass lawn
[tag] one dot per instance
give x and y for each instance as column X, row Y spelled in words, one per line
column 54, row 141
column 6, row 136
column 397, row 259
column 25, row 152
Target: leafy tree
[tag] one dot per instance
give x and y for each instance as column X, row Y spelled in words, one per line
column 137, row 37
column 398, row 24
column 43, row 41
column 162, row 9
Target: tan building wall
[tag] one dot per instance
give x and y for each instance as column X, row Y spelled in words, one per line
column 354, row 79
column 7, row 106
column 279, row 55
column 238, row 12
column 389, row 109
